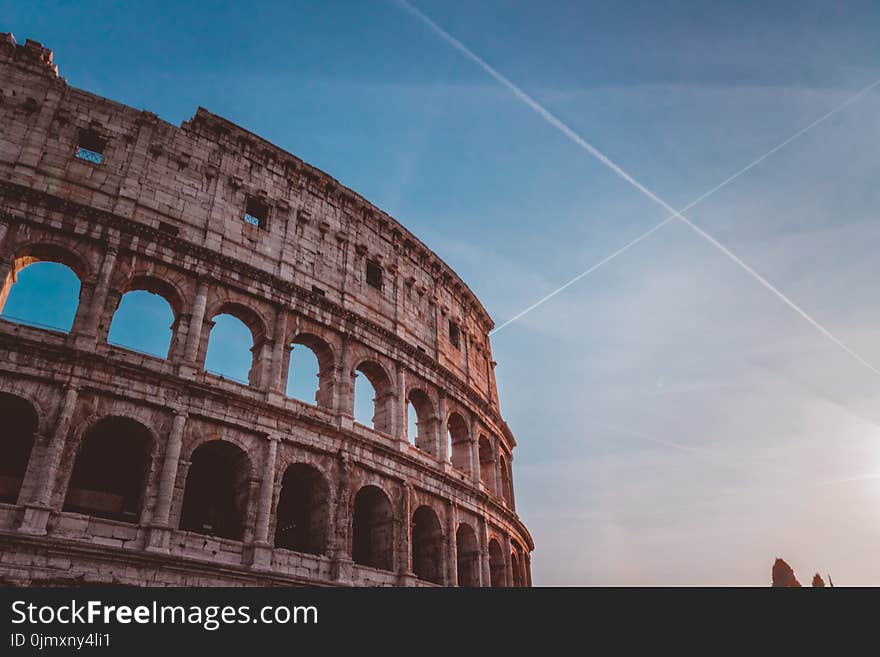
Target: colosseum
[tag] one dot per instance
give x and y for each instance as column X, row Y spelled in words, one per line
column 121, row 467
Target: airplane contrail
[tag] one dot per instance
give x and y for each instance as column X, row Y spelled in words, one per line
column 557, row 123
column 751, row 165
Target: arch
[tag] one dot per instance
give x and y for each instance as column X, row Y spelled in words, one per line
column 246, row 315
column 302, row 512
column 468, row 553
column 217, row 488
column 147, row 282
column 518, row 564
column 312, row 382
column 143, row 321
column 43, row 288
column 372, row 534
column 420, row 404
column 110, row 471
column 505, row 478
column 228, row 354
column 459, row 441
column 20, row 422
column 487, row 463
column 514, row 567
column 382, row 405
column 427, row 545
column 497, row 568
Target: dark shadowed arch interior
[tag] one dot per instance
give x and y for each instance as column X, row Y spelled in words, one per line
column 19, row 421
column 382, row 400
column 487, row 464
column 372, row 529
column 110, row 471
column 468, row 553
column 216, row 494
column 425, row 422
column 496, row 564
column 427, row 545
column 41, row 291
column 303, row 507
column 459, row 443
column 310, row 367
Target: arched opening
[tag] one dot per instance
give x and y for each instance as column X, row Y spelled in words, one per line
column 487, row 464
column 412, row 424
column 514, row 565
column 41, row 292
column 468, row 552
column 144, row 321
column 427, row 545
column 373, row 397
column 301, row 522
column 518, row 564
column 420, row 411
column 19, row 420
column 505, row 478
column 459, row 443
column 310, row 368
column 230, row 349
column 110, row 470
column 372, row 533
column 496, row 564
column 216, row 494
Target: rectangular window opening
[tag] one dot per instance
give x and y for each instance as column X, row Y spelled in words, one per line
column 90, row 146
column 374, row 274
column 454, row 334
column 256, row 212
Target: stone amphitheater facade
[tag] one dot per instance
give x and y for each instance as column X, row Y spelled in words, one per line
column 120, row 467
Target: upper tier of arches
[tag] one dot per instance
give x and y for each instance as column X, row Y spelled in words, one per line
column 333, row 372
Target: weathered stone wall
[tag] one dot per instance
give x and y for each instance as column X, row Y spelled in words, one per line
column 163, row 211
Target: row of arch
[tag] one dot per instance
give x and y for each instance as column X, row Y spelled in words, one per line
column 219, row 487
column 234, row 344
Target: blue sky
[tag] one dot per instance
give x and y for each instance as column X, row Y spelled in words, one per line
column 677, row 424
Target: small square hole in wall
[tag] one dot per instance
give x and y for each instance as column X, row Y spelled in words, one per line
column 374, row 274
column 90, row 146
column 256, row 212
column 454, row 334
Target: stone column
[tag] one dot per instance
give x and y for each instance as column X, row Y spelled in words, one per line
column 474, row 454
column 262, row 548
column 512, row 500
column 485, row 570
column 508, row 565
column 89, row 315
column 7, row 259
column 442, row 429
column 36, row 513
column 196, row 324
column 159, row 531
column 339, row 541
column 405, row 575
column 452, row 570
column 343, row 387
column 399, row 429
column 277, row 382
column 496, row 465
column 527, row 559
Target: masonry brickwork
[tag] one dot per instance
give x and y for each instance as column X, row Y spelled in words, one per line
column 131, row 202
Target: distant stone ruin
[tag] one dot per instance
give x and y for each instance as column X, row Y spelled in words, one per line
column 784, row 577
